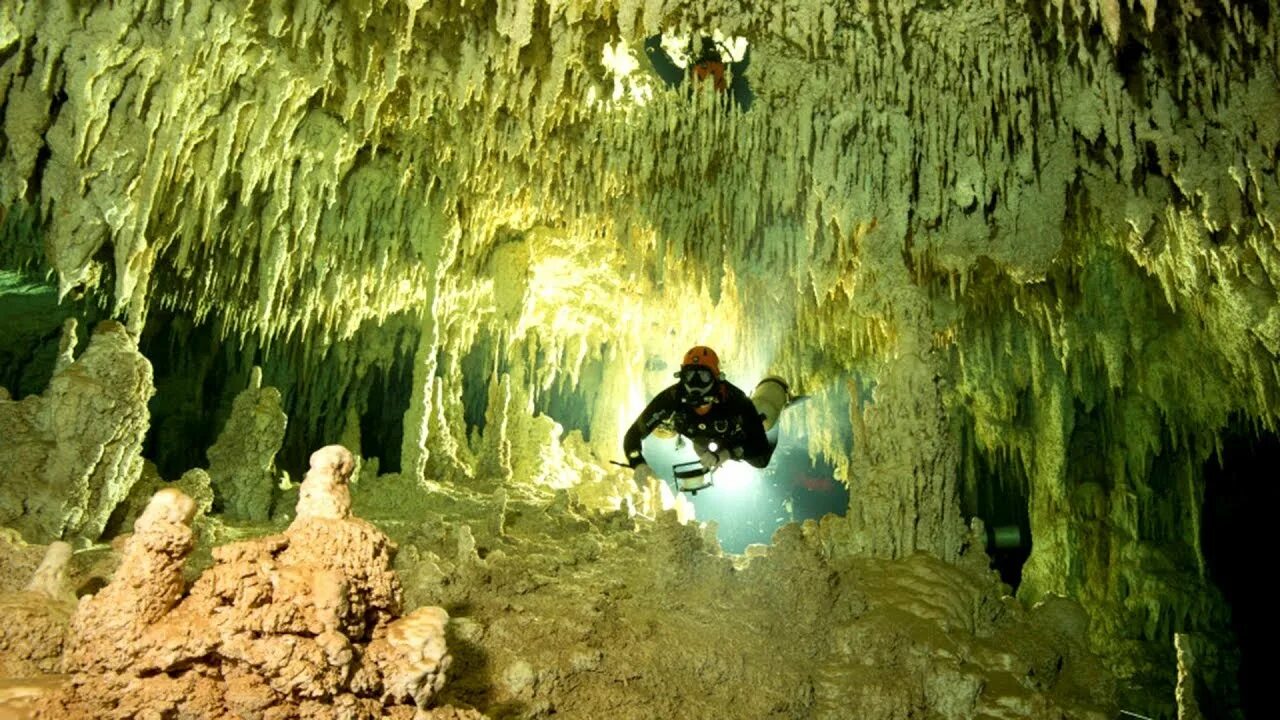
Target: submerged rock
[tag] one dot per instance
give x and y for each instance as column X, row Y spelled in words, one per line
column 299, row 624
column 33, row 622
column 72, row 454
column 242, row 466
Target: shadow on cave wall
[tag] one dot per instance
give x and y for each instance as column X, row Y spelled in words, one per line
column 472, row 681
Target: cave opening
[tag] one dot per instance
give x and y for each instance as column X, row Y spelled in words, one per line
column 478, row 367
column 568, row 403
column 185, row 412
column 1240, row 499
column 199, row 372
column 996, row 489
column 382, row 423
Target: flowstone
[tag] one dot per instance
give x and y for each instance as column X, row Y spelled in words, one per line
column 297, row 625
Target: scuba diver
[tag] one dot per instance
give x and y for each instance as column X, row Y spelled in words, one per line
column 710, row 61
column 718, row 417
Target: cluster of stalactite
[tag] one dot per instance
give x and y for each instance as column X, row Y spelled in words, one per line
column 1047, row 228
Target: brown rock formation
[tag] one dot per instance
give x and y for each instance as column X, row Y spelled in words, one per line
column 194, row 483
column 296, row 625
column 33, row 622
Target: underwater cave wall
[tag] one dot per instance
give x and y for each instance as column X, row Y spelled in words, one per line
column 1056, row 223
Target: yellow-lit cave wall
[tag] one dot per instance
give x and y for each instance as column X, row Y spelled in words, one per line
column 1045, row 230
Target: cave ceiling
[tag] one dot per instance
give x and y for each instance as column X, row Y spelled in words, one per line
column 1039, row 236
column 1050, row 199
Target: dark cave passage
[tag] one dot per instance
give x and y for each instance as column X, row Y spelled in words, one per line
column 198, row 374
column 1240, row 502
column 995, row 488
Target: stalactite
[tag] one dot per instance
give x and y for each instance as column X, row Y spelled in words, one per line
column 1098, row 178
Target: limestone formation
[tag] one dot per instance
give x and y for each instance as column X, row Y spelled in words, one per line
column 242, row 462
column 1045, row 231
column 194, row 484
column 72, row 454
column 18, row 561
column 566, row 607
column 1203, row 672
column 301, row 624
column 412, row 656
column 34, row 622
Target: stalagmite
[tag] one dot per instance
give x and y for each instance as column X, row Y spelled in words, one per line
column 242, row 462
column 1016, row 250
column 194, row 484
column 73, row 453
column 36, row 619
column 415, row 656
column 304, row 620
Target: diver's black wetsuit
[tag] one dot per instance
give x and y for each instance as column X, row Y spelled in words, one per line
column 733, row 423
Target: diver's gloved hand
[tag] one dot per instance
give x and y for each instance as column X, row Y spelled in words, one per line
column 643, row 474
column 711, row 459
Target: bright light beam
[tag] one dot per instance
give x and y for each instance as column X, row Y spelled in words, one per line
column 737, row 477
